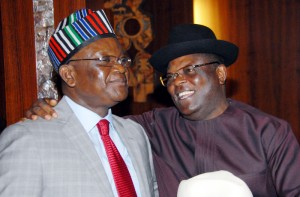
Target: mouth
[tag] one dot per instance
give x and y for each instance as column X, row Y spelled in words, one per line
column 185, row 94
column 120, row 81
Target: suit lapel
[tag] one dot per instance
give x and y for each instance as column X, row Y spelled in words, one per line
column 78, row 136
column 130, row 141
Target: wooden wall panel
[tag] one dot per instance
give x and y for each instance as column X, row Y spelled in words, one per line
column 166, row 14
column 266, row 74
column 65, row 8
column 19, row 72
column 2, row 84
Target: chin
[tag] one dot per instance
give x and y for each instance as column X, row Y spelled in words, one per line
column 187, row 110
column 183, row 110
column 182, row 105
column 121, row 96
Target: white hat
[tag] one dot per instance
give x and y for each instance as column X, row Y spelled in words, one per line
column 214, row 184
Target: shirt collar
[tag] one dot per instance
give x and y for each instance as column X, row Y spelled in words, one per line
column 87, row 118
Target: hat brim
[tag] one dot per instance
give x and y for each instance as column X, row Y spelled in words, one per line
column 163, row 56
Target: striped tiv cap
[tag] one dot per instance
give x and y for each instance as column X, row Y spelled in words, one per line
column 76, row 31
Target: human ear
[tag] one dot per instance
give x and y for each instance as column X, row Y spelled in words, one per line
column 221, row 73
column 67, row 73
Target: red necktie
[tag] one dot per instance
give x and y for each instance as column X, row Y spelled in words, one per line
column 118, row 167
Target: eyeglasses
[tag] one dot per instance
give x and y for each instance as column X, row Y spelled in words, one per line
column 187, row 71
column 108, row 61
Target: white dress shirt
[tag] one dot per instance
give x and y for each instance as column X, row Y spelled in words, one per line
column 88, row 120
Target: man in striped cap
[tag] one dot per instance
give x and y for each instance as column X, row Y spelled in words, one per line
column 86, row 151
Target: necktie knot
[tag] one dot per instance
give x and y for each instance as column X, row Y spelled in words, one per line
column 103, row 127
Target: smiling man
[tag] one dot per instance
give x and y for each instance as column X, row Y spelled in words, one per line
column 87, row 151
column 209, row 132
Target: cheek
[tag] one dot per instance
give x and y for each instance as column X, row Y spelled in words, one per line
column 203, row 81
column 171, row 90
column 95, row 79
column 198, row 81
column 199, row 84
column 99, row 75
column 206, row 88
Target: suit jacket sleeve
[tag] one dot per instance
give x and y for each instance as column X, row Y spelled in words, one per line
column 20, row 171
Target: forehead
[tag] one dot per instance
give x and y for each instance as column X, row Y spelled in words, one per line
column 191, row 59
column 103, row 46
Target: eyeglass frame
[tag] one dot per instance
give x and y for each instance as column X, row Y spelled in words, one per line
column 176, row 74
column 117, row 60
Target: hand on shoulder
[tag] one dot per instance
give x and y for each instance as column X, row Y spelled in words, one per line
column 42, row 108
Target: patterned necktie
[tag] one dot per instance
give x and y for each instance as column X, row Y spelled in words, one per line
column 118, row 167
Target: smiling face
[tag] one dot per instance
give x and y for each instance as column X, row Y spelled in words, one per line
column 199, row 96
column 91, row 85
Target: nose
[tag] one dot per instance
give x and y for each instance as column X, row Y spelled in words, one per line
column 179, row 79
column 119, row 68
